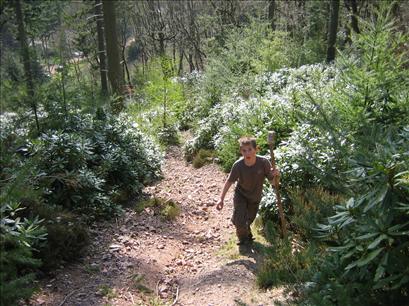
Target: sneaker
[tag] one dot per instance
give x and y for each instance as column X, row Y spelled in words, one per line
column 241, row 242
column 246, row 241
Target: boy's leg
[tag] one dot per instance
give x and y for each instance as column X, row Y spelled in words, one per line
column 240, row 217
column 252, row 209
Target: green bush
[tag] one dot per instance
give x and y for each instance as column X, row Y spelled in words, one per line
column 160, row 104
column 129, row 160
column 19, row 238
column 168, row 135
column 84, row 163
column 233, row 66
column 287, row 263
column 88, row 163
column 170, row 210
column 70, row 175
column 276, row 98
column 66, row 241
column 311, row 207
column 240, row 80
column 202, row 157
column 371, row 228
column 368, row 233
column 63, row 174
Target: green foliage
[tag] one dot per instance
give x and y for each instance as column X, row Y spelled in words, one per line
column 160, row 101
column 376, row 67
column 64, row 175
column 165, row 208
column 129, row 159
column 18, row 239
column 286, row 264
column 106, row 291
column 138, row 283
column 168, row 135
column 67, row 238
column 311, row 207
column 202, row 157
column 370, row 231
column 273, row 107
column 170, row 211
column 368, row 234
column 311, row 35
column 78, row 170
column 238, row 73
column 87, row 163
column 234, row 64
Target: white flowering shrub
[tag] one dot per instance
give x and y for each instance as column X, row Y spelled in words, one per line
column 278, row 103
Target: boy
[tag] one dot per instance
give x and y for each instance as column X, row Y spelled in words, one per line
column 250, row 172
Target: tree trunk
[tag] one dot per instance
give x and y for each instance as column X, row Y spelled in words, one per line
column 25, row 55
column 271, row 13
column 174, row 53
column 114, row 66
column 190, row 61
column 125, row 66
column 101, row 47
column 354, row 16
column 199, row 60
column 180, row 70
column 161, row 38
column 332, row 31
column 77, row 69
column 63, row 70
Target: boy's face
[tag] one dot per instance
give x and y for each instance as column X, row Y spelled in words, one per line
column 248, row 152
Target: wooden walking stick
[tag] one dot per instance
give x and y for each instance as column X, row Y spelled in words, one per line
column 271, row 142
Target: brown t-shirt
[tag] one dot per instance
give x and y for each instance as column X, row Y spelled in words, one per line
column 250, row 179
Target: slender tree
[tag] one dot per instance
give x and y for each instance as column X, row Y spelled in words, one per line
column 25, row 55
column 115, row 74
column 332, row 31
column 271, row 13
column 352, row 8
column 354, row 16
column 101, row 47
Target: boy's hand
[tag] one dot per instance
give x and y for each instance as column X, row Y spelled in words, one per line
column 219, row 205
column 276, row 174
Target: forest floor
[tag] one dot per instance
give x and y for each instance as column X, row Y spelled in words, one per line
column 143, row 259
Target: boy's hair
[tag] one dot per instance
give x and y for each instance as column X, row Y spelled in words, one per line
column 248, row 140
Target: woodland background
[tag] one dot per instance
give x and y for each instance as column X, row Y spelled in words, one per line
column 92, row 93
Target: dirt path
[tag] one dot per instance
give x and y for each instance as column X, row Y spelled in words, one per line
column 142, row 259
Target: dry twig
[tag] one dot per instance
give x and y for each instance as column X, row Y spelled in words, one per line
column 72, row 292
column 177, row 296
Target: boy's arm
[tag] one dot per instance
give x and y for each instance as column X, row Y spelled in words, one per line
column 226, row 187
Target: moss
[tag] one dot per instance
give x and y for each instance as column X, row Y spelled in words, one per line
column 203, row 157
column 145, row 203
column 170, row 211
column 137, row 282
column 107, row 291
column 166, row 208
